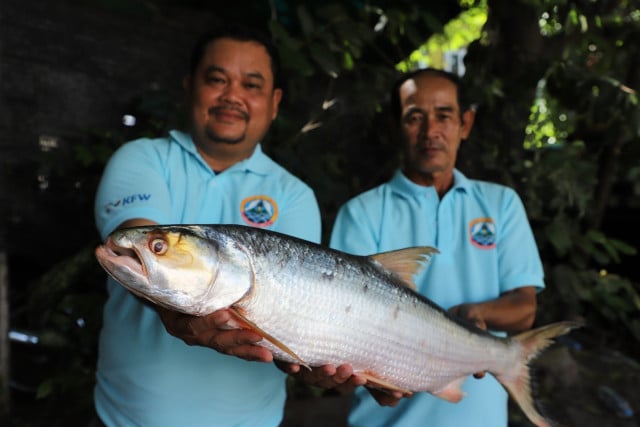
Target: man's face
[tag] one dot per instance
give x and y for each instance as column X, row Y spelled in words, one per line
column 231, row 95
column 431, row 127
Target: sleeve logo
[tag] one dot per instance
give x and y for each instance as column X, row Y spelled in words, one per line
column 128, row 200
column 482, row 233
column 259, row 211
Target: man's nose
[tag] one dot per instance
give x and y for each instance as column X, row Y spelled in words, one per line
column 232, row 92
column 428, row 126
column 425, row 125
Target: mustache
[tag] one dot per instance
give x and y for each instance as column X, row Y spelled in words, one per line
column 227, row 108
column 430, row 145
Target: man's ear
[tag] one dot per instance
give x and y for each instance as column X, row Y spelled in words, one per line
column 275, row 99
column 467, row 123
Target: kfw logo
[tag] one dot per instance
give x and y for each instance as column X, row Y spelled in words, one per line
column 129, row 200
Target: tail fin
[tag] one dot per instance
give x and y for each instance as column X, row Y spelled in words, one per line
column 519, row 384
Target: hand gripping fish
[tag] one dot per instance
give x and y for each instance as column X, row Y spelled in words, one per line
column 315, row 306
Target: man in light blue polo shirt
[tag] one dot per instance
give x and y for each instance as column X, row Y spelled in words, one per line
column 488, row 269
column 161, row 368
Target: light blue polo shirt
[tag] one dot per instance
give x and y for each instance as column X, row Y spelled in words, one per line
column 146, row 377
column 486, row 248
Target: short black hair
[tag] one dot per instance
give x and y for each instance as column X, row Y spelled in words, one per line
column 394, row 100
column 239, row 33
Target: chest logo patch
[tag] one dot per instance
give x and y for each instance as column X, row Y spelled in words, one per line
column 482, row 233
column 259, row 211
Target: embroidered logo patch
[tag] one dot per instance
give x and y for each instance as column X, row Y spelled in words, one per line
column 482, row 233
column 259, row 211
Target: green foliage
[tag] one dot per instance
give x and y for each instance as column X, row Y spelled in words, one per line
column 610, row 298
column 568, row 149
column 557, row 168
column 458, row 33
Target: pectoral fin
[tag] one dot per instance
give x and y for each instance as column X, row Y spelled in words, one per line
column 248, row 324
column 375, row 382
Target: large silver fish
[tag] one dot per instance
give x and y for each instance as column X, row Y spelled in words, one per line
column 317, row 306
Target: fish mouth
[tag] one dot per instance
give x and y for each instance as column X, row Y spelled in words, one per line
column 120, row 260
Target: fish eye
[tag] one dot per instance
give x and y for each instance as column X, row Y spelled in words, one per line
column 159, row 246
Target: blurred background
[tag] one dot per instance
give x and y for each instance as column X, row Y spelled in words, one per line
column 555, row 84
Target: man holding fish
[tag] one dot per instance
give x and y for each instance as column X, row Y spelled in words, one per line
column 215, row 173
column 488, row 269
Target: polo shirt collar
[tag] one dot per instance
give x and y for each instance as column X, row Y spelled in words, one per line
column 258, row 162
column 404, row 186
column 460, row 181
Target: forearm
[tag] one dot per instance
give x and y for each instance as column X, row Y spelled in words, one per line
column 512, row 312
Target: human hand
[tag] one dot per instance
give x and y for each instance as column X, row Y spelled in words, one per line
column 214, row 331
column 386, row 397
column 472, row 313
column 343, row 380
column 340, row 378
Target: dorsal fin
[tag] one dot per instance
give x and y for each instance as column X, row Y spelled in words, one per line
column 405, row 263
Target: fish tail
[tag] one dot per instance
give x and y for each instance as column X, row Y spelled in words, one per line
column 518, row 380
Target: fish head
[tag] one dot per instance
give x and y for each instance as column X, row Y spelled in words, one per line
column 176, row 267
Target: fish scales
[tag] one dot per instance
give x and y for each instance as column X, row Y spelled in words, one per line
column 321, row 293
column 315, row 306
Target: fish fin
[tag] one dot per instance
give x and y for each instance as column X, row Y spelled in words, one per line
column 248, row 324
column 518, row 380
column 452, row 392
column 375, row 382
column 406, row 262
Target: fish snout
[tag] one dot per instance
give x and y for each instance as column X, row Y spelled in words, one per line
column 122, row 249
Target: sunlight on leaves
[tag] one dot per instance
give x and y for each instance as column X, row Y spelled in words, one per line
column 445, row 50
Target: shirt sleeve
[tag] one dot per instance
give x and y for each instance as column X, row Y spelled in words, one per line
column 352, row 232
column 132, row 186
column 301, row 217
column 520, row 263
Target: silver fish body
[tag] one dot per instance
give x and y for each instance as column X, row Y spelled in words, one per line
column 319, row 306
